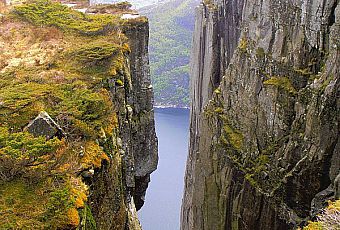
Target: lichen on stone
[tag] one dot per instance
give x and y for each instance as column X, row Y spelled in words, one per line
column 282, row 83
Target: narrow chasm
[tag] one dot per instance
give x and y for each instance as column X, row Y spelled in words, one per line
column 169, row 114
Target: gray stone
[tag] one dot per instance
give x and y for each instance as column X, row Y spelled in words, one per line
column 337, row 187
column 320, row 201
column 44, row 125
column 238, row 46
column 135, row 140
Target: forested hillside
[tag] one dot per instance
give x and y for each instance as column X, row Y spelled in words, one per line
column 171, row 27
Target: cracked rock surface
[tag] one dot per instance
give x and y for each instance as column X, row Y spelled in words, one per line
column 264, row 132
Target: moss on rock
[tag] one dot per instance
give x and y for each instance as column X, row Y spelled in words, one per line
column 282, row 83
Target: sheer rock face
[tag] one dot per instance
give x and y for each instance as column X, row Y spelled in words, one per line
column 136, row 139
column 137, row 122
column 264, row 132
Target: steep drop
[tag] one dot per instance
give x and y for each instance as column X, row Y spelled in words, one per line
column 264, row 133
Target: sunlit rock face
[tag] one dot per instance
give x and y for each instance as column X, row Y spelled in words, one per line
column 264, row 132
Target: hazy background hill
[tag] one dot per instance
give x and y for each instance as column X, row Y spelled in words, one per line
column 137, row 4
column 171, row 27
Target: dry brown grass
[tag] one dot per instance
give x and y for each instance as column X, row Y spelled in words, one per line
column 26, row 45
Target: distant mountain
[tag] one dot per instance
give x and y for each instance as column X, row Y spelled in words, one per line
column 136, row 3
column 171, row 28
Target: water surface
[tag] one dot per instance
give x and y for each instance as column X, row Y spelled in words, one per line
column 161, row 210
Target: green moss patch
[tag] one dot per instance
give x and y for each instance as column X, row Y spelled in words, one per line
column 234, row 137
column 40, row 206
column 282, row 83
column 88, row 221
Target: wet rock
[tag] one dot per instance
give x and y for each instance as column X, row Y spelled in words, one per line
column 142, row 184
column 87, row 173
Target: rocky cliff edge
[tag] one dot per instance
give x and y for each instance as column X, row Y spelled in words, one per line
column 264, row 132
column 77, row 136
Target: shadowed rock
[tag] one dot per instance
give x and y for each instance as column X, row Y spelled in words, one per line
column 44, row 125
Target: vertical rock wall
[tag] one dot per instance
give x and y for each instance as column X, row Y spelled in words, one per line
column 264, row 138
column 142, row 136
column 119, row 189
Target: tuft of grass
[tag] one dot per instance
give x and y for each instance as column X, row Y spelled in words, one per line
column 234, row 137
column 243, row 45
column 95, row 52
column 282, row 83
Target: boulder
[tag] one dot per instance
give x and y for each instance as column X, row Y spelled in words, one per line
column 44, row 125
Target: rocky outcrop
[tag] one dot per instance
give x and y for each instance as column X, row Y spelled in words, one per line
column 264, row 132
column 87, row 163
column 136, row 137
column 142, row 125
column 44, row 125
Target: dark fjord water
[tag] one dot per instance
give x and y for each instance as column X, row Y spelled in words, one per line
column 161, row 210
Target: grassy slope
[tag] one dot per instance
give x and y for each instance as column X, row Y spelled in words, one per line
column 61, row 61
column 171, row 27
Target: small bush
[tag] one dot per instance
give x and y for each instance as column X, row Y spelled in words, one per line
column 282, row 83
column 58, row 208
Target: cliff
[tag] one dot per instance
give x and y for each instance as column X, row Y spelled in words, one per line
column 264, row 131
column 77, row 135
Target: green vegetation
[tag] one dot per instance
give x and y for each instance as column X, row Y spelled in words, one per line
column 96, row 51
column 36, row 206
column 48, row 13
column 243, row 45
column 260, row 53
column 235, row 138
column 21, row 153
column 58, row 205
column 171, row 28
column 88, row 221
column 232, row 142
column 282, row 83
column 16, row 199
column 65, row 63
